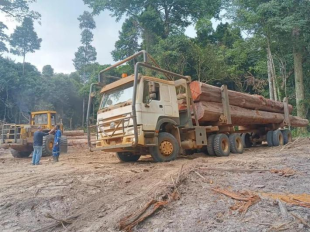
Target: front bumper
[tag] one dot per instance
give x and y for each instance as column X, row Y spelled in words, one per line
column 125, row 140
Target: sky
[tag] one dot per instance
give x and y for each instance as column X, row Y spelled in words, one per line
column 60, row 33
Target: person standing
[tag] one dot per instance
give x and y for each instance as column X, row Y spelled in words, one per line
column 37, row 145
column 56, row 146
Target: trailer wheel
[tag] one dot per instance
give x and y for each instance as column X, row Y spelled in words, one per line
column 20, row 154
column 236, row 145
column 168, row 148
column 221, row 145
column 210, row 145
column 47, row 146
column 277, row 138
column 127, row 157
column 287, row 136
column 246, row 140
column 270, row 138
column 63, row 144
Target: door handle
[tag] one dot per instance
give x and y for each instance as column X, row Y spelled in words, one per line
column 160, row 106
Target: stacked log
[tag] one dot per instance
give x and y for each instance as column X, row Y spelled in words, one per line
column 78, row 138
column 211, row 112
column 208, row 93
column 74, row 133
column 245, row 109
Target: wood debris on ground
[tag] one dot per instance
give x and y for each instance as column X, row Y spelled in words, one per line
column 287, row 172
column 59, row 222
column 293, row 199
column 132, row 220
column 245, row 199
column 129, row 222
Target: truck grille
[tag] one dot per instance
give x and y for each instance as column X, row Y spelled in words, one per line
column 114, row 127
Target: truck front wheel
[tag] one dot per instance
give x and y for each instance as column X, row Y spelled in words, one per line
column 167, row 150
column 20, row 154
column 127, row 157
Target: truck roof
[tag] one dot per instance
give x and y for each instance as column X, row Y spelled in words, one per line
column 129, row 79
column 42, row 112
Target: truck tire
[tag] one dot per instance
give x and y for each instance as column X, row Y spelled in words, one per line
column 270, row 138
column 210, row 145
column 246, row 140
column 63, row 144
column 287, row 136
column 167, row 150
column 20, row 154
column 277, row 138
column 47, row 146
column 221, row 145
column 127, row 157
column 236, row 144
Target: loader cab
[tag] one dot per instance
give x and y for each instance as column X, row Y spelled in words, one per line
column 45, row 119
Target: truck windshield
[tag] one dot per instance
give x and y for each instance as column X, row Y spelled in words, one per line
column 117, row 96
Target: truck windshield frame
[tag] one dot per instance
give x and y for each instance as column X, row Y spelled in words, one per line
column 122, row 94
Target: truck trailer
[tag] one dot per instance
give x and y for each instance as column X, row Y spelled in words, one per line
column 169, row 115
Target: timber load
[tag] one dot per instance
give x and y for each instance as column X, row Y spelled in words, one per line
column 208, row 93
column 245, row 109
column 74, row 133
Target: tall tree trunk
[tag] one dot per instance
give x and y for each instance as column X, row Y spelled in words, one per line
column 83, row 117
column 299, row 86
column 270, row 80
column 24, row 58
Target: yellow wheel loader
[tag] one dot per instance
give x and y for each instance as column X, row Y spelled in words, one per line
column 19, row 137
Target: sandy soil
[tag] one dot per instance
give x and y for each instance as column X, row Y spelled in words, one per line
column 97, row 190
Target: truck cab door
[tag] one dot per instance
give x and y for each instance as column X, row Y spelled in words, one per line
column 152, row 104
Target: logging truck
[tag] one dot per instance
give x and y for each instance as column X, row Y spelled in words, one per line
column 168, row 115
column 19, row 137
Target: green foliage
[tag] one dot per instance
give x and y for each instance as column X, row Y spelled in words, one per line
column 86, row 54
column 24, row 39
column 127, row 43
column 18, row 9
column 47, row 71
column 87, row 21
column 3, row 38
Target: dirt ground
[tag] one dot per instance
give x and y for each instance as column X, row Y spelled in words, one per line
column 94, row 190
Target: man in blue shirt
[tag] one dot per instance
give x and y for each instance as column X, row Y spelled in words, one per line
column 37, row 145
column 56, row 146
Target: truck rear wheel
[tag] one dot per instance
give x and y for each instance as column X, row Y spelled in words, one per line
column 277, row 138
column 236, row 145
column 210, row 145
column 246, row 140
column 20, row 154
column 167, row 150
column 221, row 145
column 270, row 138
column 47, row 146
column 287, row 136
column 127, row 157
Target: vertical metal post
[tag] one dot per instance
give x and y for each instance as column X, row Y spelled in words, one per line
column 286, row 121
column 225, row 102
column 15, row 134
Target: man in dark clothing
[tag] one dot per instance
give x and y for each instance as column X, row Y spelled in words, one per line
column 37, row 145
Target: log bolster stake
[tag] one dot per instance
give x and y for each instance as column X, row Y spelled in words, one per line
column 286, row 121
column 226, row 118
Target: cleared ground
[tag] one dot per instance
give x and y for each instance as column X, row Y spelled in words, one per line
column 94, row 191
